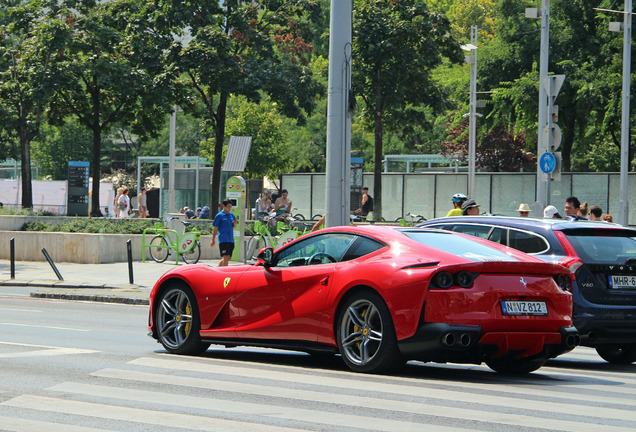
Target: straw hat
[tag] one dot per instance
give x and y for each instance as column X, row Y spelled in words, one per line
column 523, row 207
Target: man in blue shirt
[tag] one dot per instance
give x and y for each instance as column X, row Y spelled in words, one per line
column 224, row 224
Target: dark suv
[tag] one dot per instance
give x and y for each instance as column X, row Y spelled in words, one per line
column 602, row 258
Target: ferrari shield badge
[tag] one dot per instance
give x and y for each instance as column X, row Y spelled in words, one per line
column 226, row 282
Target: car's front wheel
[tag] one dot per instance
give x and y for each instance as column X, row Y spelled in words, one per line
column 366, row 336
column 515, row 366
column 178, row 322
column 618, row 354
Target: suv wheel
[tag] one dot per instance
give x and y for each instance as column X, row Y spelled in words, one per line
column 618, row 354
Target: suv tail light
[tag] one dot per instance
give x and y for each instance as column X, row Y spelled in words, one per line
column 571, row 260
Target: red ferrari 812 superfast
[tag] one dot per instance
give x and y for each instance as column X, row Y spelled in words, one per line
column 378, row 296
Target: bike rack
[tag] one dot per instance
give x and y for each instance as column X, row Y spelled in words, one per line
column 156, row 231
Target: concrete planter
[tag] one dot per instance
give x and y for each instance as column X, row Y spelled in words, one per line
column 82, row 248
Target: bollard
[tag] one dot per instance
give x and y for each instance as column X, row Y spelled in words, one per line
column 48, row 258
column 130, row 266
column 12, row 252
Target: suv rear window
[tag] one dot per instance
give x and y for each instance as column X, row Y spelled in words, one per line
column 603, row 246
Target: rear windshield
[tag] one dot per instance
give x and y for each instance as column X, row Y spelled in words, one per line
column 460, row 246
column 604, row 246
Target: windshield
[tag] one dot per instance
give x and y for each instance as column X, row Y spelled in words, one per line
column 459, row 245
column 604, row 246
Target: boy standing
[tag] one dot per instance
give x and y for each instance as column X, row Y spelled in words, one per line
column 224, row 224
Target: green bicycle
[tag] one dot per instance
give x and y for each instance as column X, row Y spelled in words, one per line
column 186, row 246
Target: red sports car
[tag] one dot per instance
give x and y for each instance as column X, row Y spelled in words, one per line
column 378, row 296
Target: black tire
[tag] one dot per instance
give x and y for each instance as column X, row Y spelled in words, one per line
column 158, row 254
column 366, row 336
column 178, row 322
column 316, row 217
column 193, row 256
column 398, row 219
column 510, row 366
column 618, row 354
column 299, row 217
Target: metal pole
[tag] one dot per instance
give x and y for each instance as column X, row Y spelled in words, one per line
column 623, row 205
column 173, row 139
column 338, row 127
column 48, row 258
column 472, row 145
column 12, row 252
column 130, row 266
column 542, row 179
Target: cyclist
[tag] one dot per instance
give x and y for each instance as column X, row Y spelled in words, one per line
column 224, row 224
column 458, row 199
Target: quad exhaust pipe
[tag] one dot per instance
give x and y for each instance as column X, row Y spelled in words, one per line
column 451, row 340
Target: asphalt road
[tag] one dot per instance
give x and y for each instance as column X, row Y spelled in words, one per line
column 83, row 366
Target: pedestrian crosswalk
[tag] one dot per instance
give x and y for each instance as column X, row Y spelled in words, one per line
column 157, row 392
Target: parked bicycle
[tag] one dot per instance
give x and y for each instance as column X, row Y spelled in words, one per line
column 166, row 241
column 414, row 219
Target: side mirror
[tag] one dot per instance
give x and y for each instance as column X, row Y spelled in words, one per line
column 265, row 256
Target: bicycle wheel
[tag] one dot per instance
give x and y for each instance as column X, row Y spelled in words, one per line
column 299, row 217
column 192, row 257
column 158, row 254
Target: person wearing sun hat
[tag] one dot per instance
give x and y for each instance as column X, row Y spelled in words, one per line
column 470, row 208
column 524, row 210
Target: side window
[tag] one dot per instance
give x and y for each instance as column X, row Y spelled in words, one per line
column 499, row 235
column 321, row 249
column 480, row 231
column 361, row 247
column 527, row 242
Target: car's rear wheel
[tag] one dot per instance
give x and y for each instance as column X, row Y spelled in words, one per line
column 515, row 366
column 178, row 322
column 618, row 354
column 366, row 335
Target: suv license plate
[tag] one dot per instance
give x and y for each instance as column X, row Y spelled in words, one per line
column 514, row 307
column 618, row 282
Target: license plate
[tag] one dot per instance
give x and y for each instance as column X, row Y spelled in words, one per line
column 618, row 282
column 516, row 307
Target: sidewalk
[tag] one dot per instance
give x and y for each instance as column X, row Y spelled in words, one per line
column 89, row 282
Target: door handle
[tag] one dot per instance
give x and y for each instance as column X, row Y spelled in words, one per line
column 324, row 281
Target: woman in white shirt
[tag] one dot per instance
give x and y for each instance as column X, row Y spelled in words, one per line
column 123, row 204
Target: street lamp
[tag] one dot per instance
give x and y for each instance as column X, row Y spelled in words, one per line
column 626, row 28
column 472, row 140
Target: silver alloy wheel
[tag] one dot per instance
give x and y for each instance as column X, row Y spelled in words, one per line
column 174, row 318
column 361, row 332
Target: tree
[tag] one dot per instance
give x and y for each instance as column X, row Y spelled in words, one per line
column 270, row 149
column 109, row 71
column 26, row 47
column 243, row 48
column 499, row 150
column 396, row 45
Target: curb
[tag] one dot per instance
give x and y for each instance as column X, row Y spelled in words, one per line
column 93, row 298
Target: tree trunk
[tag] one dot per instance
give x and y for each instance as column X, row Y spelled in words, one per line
column 377, row 166
column 218, row 154
column 25, row 168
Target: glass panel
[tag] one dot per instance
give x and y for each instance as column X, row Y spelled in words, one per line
column 480, row 231
column 392, row 196
column 419, row 192
column 510, row 190
column 318, row 200
column 590, row 188
column 499, row 235
column 299, row 188
column 459, row 246
column 559, row 191
column 315, row 250
column 447, row 186
column 598, row 246
column 527, row 242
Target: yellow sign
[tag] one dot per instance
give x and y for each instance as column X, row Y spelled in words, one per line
column 226, row 282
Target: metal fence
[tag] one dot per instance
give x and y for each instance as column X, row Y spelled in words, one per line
column 429, row 194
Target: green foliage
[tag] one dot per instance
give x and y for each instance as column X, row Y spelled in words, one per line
column 269, row 153
column 58, row 145
column 92, row 225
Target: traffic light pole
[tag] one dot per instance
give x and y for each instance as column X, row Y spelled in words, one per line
column 542, row 147
column 623, row 204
